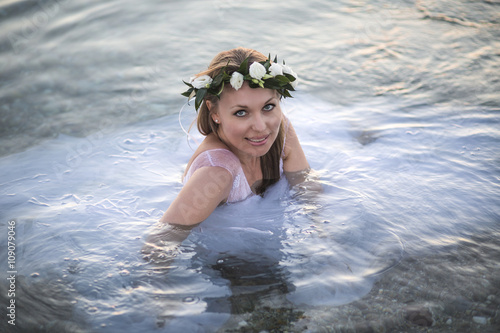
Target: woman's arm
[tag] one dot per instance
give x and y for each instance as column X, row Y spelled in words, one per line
column 198, row 198
column 162, row 243
column 294, row 159
column 295, row 165
column 305, row 183
column 203, row 192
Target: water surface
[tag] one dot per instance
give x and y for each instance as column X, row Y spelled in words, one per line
column 397, row 112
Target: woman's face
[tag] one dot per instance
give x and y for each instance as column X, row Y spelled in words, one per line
column 249, row 120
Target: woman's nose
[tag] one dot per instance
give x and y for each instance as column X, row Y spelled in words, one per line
column 259, row 124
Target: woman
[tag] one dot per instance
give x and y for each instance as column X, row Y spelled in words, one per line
column 248, row 144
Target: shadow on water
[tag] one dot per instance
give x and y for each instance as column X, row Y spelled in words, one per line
column 251, row 282
column 258, row 290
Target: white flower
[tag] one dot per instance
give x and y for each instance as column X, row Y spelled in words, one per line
column 257, row 70
column 288, row 70
column 236, row 80
column 199, row 82
column 275, row 69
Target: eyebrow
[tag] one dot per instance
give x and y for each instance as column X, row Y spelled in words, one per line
column 245, row 107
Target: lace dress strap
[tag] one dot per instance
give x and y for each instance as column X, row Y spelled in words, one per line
column 225, row 159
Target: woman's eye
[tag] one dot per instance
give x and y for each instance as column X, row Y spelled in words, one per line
column 268, row 107
column 240, row 113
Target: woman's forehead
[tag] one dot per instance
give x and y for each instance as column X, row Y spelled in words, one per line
column 246, row 95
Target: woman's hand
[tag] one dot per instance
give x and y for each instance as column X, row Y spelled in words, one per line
column 305, row 181
column 163, row 241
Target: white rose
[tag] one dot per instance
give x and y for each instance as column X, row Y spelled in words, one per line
column 288, row 70
column 275, row 69
column 199, row 82
column 236, row 80
column 257, row 70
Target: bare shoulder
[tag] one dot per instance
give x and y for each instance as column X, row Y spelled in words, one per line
column 291, row 139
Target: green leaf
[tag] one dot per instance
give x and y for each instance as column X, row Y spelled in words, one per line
column 285, row 93
column 282, row 79
column 199, row 98
column 188, row 92
column 253, row 84
column 244, row 67
column 225, row 76
column 220, row 91
column 290, row 77
column 267, row 63
column 272, row 84
column 217, row 80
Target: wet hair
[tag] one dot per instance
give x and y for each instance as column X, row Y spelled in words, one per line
column 270, row 162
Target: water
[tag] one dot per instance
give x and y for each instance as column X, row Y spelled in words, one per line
column 397, row 112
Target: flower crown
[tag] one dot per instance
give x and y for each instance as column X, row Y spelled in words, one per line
column 262, row 74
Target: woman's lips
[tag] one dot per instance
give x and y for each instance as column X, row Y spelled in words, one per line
column 258, row 141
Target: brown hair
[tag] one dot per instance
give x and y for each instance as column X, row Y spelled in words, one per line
column 270, row 162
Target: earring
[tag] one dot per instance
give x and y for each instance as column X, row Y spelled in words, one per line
column 217, row 121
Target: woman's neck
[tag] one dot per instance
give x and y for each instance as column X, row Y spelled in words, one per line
column 249, row 163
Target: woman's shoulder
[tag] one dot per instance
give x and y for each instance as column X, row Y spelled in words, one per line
column 294, row 158
column 212, row 152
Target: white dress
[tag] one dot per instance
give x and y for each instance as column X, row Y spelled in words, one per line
column 227, row 160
